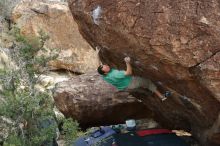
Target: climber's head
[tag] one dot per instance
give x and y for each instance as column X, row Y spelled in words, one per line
column 103, row 69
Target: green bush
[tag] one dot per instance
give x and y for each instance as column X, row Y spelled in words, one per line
column 71, row 131
column 27, row 109
column 31, row 112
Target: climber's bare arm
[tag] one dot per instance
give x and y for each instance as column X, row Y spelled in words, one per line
column 97, row 50
column 128, row 66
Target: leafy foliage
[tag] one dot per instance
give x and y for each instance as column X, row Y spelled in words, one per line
column 27, row 110
column 30, row 112
column 71, row 130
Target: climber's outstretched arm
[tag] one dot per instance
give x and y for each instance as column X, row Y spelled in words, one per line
column 128, row 66
column 97, row 50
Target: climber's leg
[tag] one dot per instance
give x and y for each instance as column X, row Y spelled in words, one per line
column 138, row 82
column 162, row 97
column 152, row 87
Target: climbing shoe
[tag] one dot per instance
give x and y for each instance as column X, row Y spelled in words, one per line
column 167, row 94
column 163, row 98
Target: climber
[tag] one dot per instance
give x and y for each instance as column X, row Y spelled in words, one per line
column 123, row 80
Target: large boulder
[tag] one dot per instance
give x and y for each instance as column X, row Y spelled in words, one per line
column 53, row 19
column 172, row 42
column 92, row 102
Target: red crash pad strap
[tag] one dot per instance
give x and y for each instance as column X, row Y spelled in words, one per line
column 153, row 131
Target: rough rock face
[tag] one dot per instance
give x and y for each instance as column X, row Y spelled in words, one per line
column 55, row 20
column 91, row 101
column 5, row 61
column 173, row 42
column 49, row 80
column 5, row 39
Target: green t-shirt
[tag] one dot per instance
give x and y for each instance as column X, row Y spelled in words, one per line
column 118, row 79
